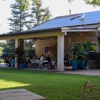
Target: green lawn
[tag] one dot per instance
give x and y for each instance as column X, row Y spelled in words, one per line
column 50, row 85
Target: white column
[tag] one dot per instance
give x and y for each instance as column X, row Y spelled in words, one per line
column 98, row 44
column 60, row 53
column 69, row 45
column 16, row 46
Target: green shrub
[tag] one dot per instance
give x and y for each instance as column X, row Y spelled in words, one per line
column 92, row 48
column 1, row 61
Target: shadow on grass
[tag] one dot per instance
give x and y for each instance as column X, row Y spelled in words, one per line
column 50, row 85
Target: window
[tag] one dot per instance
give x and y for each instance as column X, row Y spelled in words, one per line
column 94, row 43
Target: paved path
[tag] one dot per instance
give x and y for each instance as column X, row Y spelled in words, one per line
column 19, row 94
column 94, row 72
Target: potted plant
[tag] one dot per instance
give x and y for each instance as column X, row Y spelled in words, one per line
column 20, row 53
column 74, row 54
column 79, row 54
column 84, row 51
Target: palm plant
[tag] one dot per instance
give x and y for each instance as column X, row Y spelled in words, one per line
column 79, row 54
column 80, row 51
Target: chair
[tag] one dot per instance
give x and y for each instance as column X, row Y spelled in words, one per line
column 91, row 91
column 46, row 64
column 36, row 63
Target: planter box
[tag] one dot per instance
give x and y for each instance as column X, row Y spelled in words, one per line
column 74, row 64
column 82, row 64
column 21, row 66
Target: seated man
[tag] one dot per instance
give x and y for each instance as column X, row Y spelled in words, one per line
column 7, row 60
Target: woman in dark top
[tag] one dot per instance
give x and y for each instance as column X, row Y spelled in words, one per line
column 7, row 60
column 48, row 58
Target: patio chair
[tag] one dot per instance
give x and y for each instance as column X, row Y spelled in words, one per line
column 46, row 64
column 90, row 91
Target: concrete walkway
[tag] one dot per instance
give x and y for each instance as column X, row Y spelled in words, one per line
column 19, row 94
column 93, row 72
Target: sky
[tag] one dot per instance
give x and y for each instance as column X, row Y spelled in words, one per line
column 56, row 7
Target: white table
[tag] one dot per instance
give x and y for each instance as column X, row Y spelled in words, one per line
column 34, row 63
column 19, row 94
column 3, row 65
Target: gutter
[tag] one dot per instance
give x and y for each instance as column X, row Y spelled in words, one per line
column 30, row 32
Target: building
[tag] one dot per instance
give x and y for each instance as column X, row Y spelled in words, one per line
column 64, row 31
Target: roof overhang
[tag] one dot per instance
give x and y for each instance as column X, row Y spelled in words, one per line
column 29, row 32
column 79, row 29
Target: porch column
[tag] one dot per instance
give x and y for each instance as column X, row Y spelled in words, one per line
column 98, row 42
column 16, row 46
column 69, row 45
column 98, row 46
column 60, row 53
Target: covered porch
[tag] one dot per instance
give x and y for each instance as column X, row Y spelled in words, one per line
column 64, row 39
column 19, row 37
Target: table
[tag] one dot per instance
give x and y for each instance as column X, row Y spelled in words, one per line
column 19, row 94
column 3, row 65
column 34, row 63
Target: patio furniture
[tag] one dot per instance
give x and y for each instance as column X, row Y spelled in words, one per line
column 4, row 65
column 91, row 91
column 34, row 63
column 46, row 64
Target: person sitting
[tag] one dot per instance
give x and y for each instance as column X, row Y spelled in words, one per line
column 53, row 63
column 49, row 61
column 28, row 62
column 48, row 58
column 7, row 61
column 41, row 61
column 66, row 61
column 24, row 59
column 35, row 57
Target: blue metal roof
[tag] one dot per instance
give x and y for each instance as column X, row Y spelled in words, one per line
column 67, row 21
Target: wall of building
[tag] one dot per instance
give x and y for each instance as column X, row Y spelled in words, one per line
column 40, row 44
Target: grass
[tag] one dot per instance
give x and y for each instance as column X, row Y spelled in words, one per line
column 50, row 85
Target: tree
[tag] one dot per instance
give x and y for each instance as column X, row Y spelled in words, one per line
column 1, row 51
column 3, row 45
column 28, row 46
column 10, row 46
column 25, row 4
column 19, row 19
column 39, row 13
column 91, row 2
